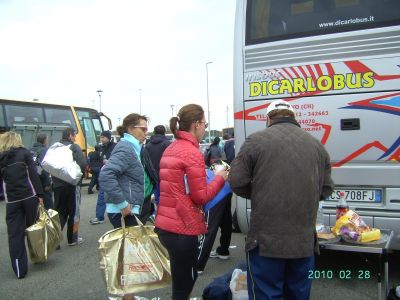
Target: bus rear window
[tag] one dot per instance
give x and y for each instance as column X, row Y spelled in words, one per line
column 271, row 20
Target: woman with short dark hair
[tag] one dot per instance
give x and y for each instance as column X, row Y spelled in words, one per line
column 128, row 179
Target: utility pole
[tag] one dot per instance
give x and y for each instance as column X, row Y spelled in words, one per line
column 208, row 105
column 227, row 116
column 99, row 92
column 140, row 101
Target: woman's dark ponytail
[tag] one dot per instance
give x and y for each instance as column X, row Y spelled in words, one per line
column 173, row 125
column 186, row 116
column 121, row 131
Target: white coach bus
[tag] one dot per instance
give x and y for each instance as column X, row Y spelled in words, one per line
column 338, row 63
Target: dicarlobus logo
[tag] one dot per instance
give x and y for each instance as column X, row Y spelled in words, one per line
column 348, row 22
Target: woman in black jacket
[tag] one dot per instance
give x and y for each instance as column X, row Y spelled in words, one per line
column 213, row 153
column 23, row 191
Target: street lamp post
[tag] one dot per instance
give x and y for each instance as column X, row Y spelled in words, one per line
column 99, row 92
column 227, row 116
column 140, row 101
column 172, row 110
column 208, row 104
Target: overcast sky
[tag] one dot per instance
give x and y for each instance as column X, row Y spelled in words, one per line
column 63, row 51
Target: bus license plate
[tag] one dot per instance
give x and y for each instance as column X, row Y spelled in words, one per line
column 364, row 195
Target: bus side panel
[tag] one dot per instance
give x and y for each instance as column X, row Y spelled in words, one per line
column 377, row 134
column 323, row 78
column 364, row 143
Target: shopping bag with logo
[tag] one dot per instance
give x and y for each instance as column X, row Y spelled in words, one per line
column 132, row 260
column 45, row 235
column 59, row 162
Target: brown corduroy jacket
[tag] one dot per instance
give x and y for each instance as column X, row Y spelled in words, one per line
column 285, row 172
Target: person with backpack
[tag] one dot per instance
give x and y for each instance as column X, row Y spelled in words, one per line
column 67, row 197
column 38, row 152
column 23, row 192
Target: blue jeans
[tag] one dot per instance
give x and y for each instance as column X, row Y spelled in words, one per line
column 270, row 278
column 100, row 205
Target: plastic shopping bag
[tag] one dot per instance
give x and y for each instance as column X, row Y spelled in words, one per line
column 59, row 162
column 132, row 260
column 238, row 285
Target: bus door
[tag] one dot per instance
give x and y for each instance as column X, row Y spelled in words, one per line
column 89, row 131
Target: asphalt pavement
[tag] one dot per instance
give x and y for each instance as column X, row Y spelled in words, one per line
column 73, row 272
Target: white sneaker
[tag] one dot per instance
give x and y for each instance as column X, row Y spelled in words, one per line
column 215, row 254
column 79, row 241
column 96, row 221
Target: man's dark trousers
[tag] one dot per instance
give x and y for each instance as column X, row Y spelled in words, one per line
column 65, row 205
column 213, row 217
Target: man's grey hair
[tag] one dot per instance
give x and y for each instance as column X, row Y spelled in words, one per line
column 41, row 137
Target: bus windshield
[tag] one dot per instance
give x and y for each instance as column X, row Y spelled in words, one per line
column 270, row 20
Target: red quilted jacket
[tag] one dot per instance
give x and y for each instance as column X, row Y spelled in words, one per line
column 178, row 211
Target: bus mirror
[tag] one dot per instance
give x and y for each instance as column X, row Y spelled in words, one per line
column 100, row 114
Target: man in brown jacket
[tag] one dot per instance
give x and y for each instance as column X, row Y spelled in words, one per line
column 285, row 172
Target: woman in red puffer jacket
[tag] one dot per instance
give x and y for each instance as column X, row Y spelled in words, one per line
column 183, row 193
